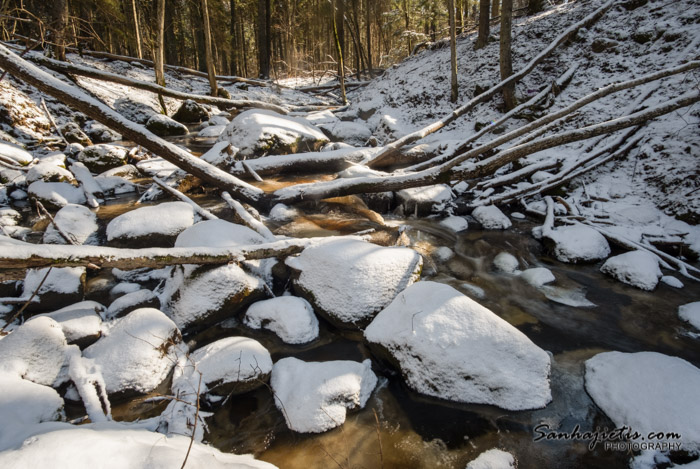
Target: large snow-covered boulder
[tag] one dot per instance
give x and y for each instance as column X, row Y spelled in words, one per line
column 23, row 402
column 157, row 225
column 258, row 132
column 205, row 296
column 424, row 200
column 217, row 233
column 315, row 396
column 164, row 126
column 15, row 153
column 647, row 391
column 103, row 156
column 55, row 195
column 493, row 459
column 49, row 172
column 577, row 244
column 137, row 353
column 349, row 281
column 290, row 317
column 491, row 218
column 691, row 313
column 76, row 221
column 81, row 323
column 61, row 287
column 637, row 268
column 449, row 346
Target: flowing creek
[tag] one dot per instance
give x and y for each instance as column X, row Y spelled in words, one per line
column 400, row 428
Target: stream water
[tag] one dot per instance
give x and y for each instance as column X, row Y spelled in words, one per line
column 400, row 428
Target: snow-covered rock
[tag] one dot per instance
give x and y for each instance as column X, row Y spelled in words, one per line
column 259, row 132
column 100, row 133
column 157, row 225
column 81, row 323
column 672, row 281
column 455, row 223
column 16, row 153
column 647, row 391
column 23, row 402
column 491, row 218
column 291, row 318
column 449, row 346
column 349, row 281
column 48, row 172
column 217, row 233
column 353, row 133
column 578, row 243
column 425, row 200
column 74, row 134
column 281, row 212
column 315, row 396
column 637, row 268
column 76, row 221
column 506, row 262
column 63, row 286
column 493, row 459
column 190, row 112
column 132, row 301
column 55, row 195
column 115, row 445
column 114, row 184
column 164, row 126
column 691, row 313
column 35, row 351
column 134, row 110
column 102, row 157
column 208, row 295
column 537, row 276
column 137, row 352
column 211, row 131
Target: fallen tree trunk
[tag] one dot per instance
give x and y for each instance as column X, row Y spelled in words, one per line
column 435, row 126
column 98, row 111
column 65, row 67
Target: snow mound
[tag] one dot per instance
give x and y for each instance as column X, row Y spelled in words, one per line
column 449, row 346
column 291, row 318
column 116, row 446
column 491, row 218
column 15, row 153
column 506, row 262
column 350, row 281
column 217, row 233
column 493, row 459
column 315, row 396
column 578, row 243
column 137, row 353
column 637, row 268
column 25, row 402
column 55, row 195
column 691, row 313
column 537, row 276
column 424, row 200
column 647, row 391
column 259, row 132
column 455, row 223
column 77, row 221
column 166, row 220
column 80, row 322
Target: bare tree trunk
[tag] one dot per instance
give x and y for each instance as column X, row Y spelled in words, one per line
column 339, row 50
column 211, row 70
column 264, row 38
column 506, row 62
column 137, row 33
column 60, row 13
column 158, row 53
column 483, row 38
column 454, row 95
column 407, row 21
column 235, row 53
column 494, row 8
column 368, row 33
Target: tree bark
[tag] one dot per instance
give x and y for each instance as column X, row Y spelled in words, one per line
column 454, row 94
column 211, row 71
column 339, row 50
column 506, row 62
column 494, row 8
column 137, row 33
column 264, row 39
column 158, row 54
column 60, row 13
column 483, row 37
column 235, row 62
column 368, row 40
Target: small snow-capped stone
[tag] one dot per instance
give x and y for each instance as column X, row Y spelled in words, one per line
column 81, row 322
column 16, row 153
column 491, row 218
column 55, row 195
column 132, row 301
column 455, row 223
column 493, row 459
column 77, row 221
column 578, row 243
column 165, row 220
column 281, row 212
column 537, row 276
column 691, row 313
column 506, row 262
column 672, row 281
column 637, row 268
column 217, row 233
column 291, row 318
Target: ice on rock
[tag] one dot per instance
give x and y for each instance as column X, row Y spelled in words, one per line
column 455, row 223
column 691, row 313
column 315, row 396
column 259, row 132
column 291, row 318
column 506, row 262
column 491, row 218
column 137, row 353
column 647, row 391
column 637, row 268
column 77, row 221
column 578, row 243
column 349, row 281
column 449, row 346
column 217, row 233
column 493, row 459
column 537, row 276
column 164, row 221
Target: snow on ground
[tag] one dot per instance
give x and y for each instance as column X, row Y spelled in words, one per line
column 291, row 318
column 315, row 396
column 451, row 347
column 647, row 391
column 493, row 459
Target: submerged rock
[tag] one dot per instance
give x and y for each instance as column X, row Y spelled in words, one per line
column 577, row 244
column 157, row 225
column 260, row 132
column 315, row 397
column 101, row 157
column 637, row 268
column 164, row 126
column 449, row 346
column 291, row 318
column 190, row 112
column 349, row 281
column 138, row 353
column 76, row 221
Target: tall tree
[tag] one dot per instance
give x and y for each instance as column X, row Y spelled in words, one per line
column 137, row 33
column 506, row 63
column 494, row 8
column 158, row 53
column 483, row 38
column 211, row 69
column 264, row 39
column 368, row 31
column 339, row 50
column 454, row 94
column 60, row 15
